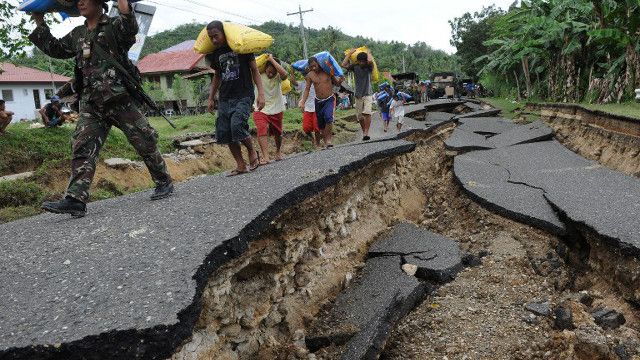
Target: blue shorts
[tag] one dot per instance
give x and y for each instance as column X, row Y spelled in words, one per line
column 324, row 111
column 232, row 125
column 385, row 116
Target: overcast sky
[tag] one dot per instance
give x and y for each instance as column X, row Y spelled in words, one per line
column 407, row 21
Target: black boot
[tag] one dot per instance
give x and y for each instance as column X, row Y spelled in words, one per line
column 162, row 191
column 68, row 205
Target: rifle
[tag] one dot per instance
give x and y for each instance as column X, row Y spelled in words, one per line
column 134, row 86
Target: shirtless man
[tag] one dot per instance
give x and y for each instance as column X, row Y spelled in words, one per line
column 325, row 99
column 5, row 117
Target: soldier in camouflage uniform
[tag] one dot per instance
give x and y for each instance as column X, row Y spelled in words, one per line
column 104, row 100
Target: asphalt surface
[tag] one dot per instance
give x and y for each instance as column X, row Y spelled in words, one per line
column 438, row 258
column 363, row 314
column 488, row 126
column 380, row 295
column 125, row 281
column 461, row 140
column 536, row 131
column 490, row 133
column 479, row 113
column 547, row 185
column 489, row 184
column 411, row 124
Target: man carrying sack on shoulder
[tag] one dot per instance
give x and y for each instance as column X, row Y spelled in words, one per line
column 362, row 70
column 100, row 49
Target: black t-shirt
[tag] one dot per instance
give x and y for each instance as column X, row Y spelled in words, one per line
column 51, row 110
column 235, row 73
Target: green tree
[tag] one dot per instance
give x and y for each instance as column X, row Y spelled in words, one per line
column 13, row 31
column 469, row 34
column 154, row 91
column 567, row 50
column 180, row 89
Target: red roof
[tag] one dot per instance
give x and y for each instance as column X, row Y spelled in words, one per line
column 11, row 73
column 169, row 62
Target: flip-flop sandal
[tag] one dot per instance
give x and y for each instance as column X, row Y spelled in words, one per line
column 255, row 163
column 263, row 163
column 236, row 172
column 330, row 146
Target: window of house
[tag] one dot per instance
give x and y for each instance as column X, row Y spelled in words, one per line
column 36, row 98
column 7, row 95
column 48, row 94
column 169, row 81
column 155, row 79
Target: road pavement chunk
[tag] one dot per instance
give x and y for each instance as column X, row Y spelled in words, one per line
column 486, row 125
column 362, row 315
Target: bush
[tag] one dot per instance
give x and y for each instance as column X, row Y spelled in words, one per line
column 15, row 213
column 20, row 193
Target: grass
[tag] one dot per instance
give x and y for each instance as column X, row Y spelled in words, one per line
column 630, row 109
column 20, row 193
column 508, row 107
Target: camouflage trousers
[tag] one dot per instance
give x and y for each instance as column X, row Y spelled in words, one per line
column 91, row 133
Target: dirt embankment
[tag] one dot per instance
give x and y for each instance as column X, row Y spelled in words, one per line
column 612, row 140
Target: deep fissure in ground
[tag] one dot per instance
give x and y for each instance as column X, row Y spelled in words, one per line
column 259, row 306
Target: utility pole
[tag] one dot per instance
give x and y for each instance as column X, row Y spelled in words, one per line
column 304, row 39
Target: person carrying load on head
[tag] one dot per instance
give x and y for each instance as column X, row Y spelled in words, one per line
column 268, row 120
column 322, row 81
column 52, row 113
column 100, row 48
column 362, row 71
column 234, row 78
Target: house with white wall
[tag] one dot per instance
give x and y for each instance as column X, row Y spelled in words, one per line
column 26, row 90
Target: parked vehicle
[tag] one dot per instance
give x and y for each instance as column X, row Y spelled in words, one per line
column 407, row 83
column 441, row 81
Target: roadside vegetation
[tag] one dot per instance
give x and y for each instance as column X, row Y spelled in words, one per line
column 510, row 106
column 557, row 50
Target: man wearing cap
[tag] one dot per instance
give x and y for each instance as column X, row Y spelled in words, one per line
column 52, row 113
column 97, row 46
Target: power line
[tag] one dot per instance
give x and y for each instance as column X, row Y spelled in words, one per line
column 221, row 10
column 204, row 6
column 304, row 39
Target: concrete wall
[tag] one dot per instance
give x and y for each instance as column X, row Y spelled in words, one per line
column 24, row 104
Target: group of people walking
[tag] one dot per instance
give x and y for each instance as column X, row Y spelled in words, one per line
column 100, row 47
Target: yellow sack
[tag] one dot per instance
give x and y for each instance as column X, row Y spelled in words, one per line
column 241, row 39
column 375, row 74
column 261, row 60
column 285, row 85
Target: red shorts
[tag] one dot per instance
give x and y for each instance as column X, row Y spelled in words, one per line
column 268, row 124
column 309, row 122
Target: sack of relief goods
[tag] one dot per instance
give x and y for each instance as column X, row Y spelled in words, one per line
column 375, row 74
column 241, row 39
column 327, row 63
column 66, row 8
column 285, row 85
